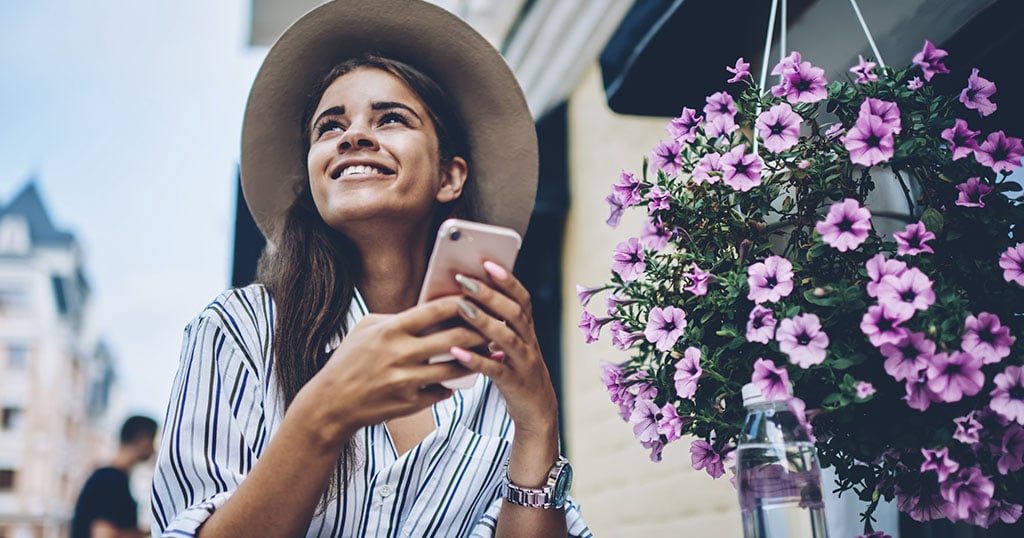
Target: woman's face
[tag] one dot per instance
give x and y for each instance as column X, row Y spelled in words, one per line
column 373, row 156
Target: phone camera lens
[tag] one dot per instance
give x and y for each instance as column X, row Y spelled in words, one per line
column 455, row 235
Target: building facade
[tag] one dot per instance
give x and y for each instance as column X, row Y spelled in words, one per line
column 56, row 379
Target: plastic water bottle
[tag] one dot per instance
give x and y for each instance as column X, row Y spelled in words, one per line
column 777, row 473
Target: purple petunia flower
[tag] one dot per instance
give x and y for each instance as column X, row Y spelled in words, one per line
column 688, row 372
column 801, row 83
column 622, row 338
column 628, row 189
column 864, row 71
column 951, row 376
column 628, row 259
column 703, row 456
column 719, row 104
column 787, row 65
column 741, row 170
column 720, row 127
column 699, row 280
column 665, row 157
column 708, row 169
column 1012, row 264
column 882, row 326
column 802, row 339
column 864, row 389
column 591, row 326
column 913, row 240
column 684, row 128
column 1012, row 458
column 659, row 199
column 655, row 234
column 879, row 266
column 1008, row 396
column 665, row 326
column 968, row 491
column 616, row 208
column 929, row 60
column 584, row 294
column 968, row 429
column 904, row 294
column 986, row 338
column 739, row 71
column 671, row 424
column 961, row 139
column 919, row 396
column 1004, row 511
column 761, row 325
column 940, row 462
column 976, row 95
column 999, row 152
column 645, row 418
column 915, row 84
column 888, row 111
column 779, row 127
column 923, row 503
column 833, row 131
column 971, row 192
column 614, row 380
column 870, row 141
column 771, row 380
column 846, row 226
column 770, row 280
column 907, row 358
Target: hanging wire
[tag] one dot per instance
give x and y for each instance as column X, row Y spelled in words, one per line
column 867, row 33
column 764, row 64
column 782, row 34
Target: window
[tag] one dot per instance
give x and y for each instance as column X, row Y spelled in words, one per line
column 10, row 417
column 17, row 357
column 6, row 480
column 13, row 300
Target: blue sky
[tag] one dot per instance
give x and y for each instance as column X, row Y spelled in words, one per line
column 128, row 114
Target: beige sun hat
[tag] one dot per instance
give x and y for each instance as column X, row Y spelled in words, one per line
column 499, row 127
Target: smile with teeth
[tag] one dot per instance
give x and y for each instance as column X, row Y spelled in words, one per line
column 360, row 169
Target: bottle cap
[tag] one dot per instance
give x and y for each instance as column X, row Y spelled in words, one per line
column 752, row 395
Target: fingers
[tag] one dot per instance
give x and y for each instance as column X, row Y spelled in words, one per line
column 476, row 362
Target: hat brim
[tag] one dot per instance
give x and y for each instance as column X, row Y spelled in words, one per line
column 500, row 129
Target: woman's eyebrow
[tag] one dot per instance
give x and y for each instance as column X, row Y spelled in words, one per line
column 385, row 105
column 333, row 111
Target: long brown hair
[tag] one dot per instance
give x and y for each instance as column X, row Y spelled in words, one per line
column 312, row 272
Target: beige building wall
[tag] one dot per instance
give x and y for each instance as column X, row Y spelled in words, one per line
column 622, row 493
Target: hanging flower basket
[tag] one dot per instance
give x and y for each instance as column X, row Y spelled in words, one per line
column 761, row 261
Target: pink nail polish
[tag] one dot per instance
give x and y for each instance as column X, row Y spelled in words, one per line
column 460, row 354
column 496, row 271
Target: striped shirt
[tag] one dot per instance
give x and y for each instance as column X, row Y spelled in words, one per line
column 225, row 407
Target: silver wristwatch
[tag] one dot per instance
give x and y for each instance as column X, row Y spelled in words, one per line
column 552, row 495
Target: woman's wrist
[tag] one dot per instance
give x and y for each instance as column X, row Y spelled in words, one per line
column 532, row 455
column 326, row 429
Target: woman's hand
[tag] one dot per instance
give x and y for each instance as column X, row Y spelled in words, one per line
column 380, row 370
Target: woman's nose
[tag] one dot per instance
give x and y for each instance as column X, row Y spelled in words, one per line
column 357, row 136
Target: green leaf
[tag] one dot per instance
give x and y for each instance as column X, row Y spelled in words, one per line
column 933, row 220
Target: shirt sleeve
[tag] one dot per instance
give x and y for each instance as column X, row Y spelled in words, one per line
column 215, row 424
column 573, row 520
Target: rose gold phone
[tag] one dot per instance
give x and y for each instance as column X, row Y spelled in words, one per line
column 462, row 246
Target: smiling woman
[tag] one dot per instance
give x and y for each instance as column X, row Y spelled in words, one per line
column 305, row 404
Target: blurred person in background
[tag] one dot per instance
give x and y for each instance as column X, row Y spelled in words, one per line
column 106, row 507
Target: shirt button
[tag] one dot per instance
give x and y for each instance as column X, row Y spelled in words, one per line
column 384, row 491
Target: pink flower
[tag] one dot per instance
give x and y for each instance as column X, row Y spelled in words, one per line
column 802, row 83
column 787, row 65
column 870, row 141
column 939, row 461
column 645, row 418
column 968, row 491
column 919, row 396
column 924, row 503
column 779, row 127
column 665, row 157
column 929, row 60
column 703, row 456
column 708, row 168
column 671, row 424
column 1012, row 455
column 591, row 326
column 771, row 380
column 665, row 326
column 699, row 279
column 971, row 192
column 888, row 111
column 999, row 152
column 721, row 126
column 879, row 266
column 976, row 95
column 684, row 128
column 968, row 429
column 864, row 389
column 584, row 294
column 907, row 358
column 741, row 170
column 622, row 338
column 904, row 294
column 627, row 190
column 915, row 84
column 882, row 326
column 719, row 104
column 1012, row 264
column 628, row 259
column 616, row 210
column 760, row 325
column 986, row 338
column 913, row 240
column 802, row 339
column 688, row 372
column 863, row 70
column 1008, row 396
column 770, row 280
column 659, row 199
column 1006, row 512
column 846, row 226
column 655, row 235
column 951, row 376
column 739, row 71
column 614, row 380
column 961, row 139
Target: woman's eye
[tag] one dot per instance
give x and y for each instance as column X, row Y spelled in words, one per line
column 394, row 117
column 328, row 126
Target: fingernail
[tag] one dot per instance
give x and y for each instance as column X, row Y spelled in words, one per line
column 467, row 309
column 498, row 356
column 467, row 283
column 496, row 271
column 460, row 354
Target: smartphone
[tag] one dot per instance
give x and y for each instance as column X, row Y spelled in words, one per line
column 462, row 246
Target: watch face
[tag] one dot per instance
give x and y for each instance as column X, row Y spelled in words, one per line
column 561, row 489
